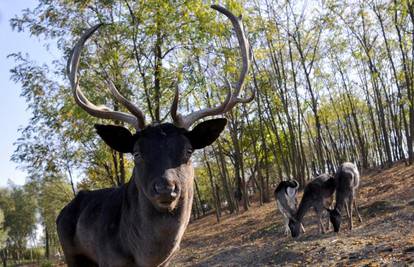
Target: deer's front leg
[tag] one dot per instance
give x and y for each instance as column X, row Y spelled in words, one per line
column 350, row 200
column 357, row 211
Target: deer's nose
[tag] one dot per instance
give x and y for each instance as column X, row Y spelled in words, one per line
column 165, row 187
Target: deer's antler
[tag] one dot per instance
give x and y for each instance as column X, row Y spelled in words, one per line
column 136, row 119
column 185, row 121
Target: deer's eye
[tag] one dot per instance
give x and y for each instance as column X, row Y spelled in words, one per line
column 187, row 154
column 137, row 155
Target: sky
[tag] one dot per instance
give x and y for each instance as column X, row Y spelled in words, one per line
column 13, row 109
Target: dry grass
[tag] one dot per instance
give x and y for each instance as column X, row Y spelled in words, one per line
column 256, row 238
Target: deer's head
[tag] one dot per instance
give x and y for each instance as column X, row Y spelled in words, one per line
column 162, row 152
column 294, row 226
column 335, row 218
column 163, row 169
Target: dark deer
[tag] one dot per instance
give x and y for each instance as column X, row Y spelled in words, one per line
column 142, row 222
column 318, row 194
column 347, row 182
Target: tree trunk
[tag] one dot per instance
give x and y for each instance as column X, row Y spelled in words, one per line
column 216, row 198
column 222, row 164
column 199, row 197
column 47, row 245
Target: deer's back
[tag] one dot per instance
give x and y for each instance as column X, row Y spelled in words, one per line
column 323, row 186
column 347, row 177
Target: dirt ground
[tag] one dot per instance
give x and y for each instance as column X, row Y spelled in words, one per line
column 256, row 237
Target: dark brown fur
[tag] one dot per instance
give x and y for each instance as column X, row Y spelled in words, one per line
column 317, row 194
column 142, row 222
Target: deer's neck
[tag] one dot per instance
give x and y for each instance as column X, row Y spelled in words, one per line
column 340, row 200
column 151, row 237
column 304, row 206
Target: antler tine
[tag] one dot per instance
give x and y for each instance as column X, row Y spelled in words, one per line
column 232, row 98
column 237, row 100
column 177, row 119
column 131, row 107
column 102, row 112
column 188, row 120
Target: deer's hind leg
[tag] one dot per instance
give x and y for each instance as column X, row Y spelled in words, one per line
column 287, row 229
column 350, row 201
column 319, row 213
column 347, row 209
column 328, row 204
column 356, row 210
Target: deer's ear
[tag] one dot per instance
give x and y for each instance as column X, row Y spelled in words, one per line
column 206, row 133
column 117, row 137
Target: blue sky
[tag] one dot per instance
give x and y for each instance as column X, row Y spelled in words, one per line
column 13, row 109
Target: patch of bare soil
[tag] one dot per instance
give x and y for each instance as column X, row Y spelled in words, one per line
column 256, row 237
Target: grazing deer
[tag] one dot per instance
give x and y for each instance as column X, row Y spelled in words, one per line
column 347, row 181
column 285, row 195
column 317, row 194
column 141, row 223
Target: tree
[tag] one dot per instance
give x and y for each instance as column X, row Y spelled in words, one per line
column 19, row 207
column 52, row 196
column 3, row 238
